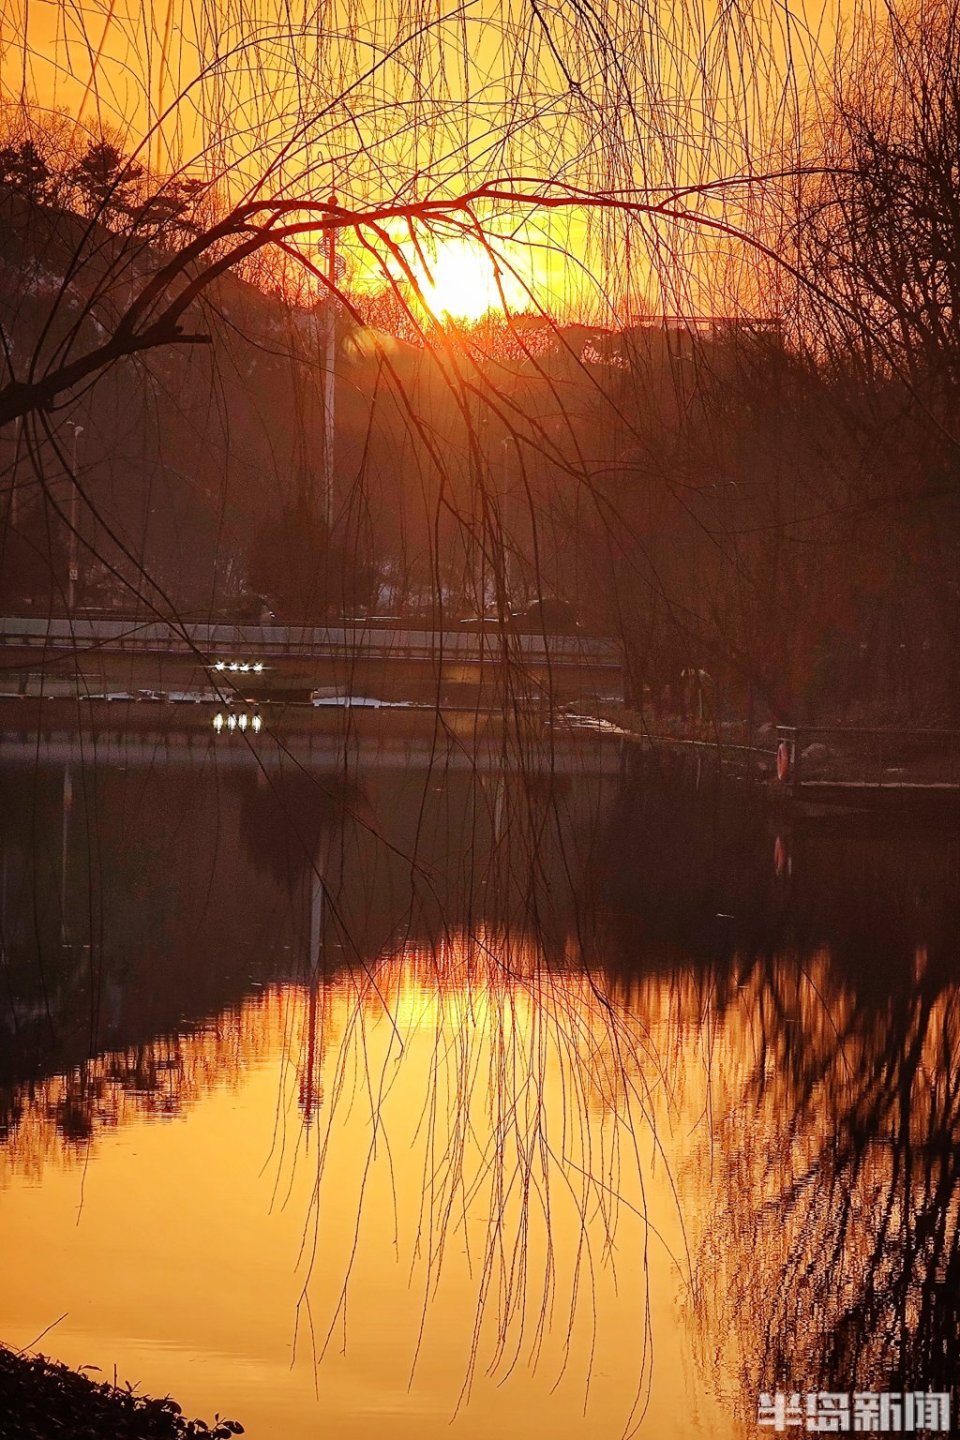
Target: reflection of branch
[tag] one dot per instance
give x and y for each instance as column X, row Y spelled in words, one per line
column 853, row 1214
column 528, row 1102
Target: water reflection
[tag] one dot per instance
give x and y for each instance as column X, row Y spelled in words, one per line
column 514, row 1097
column 844, row 1188
column 479, row 1184
column 132, row 900
column 56, row 1118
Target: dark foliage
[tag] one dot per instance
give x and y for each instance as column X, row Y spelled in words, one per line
column 40, row 1399
column 307, row 577
column 105, row 180
column 33, row 559
column 24, row 169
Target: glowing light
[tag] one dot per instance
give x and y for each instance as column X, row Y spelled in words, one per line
column 243, row 721
column 464, row 284
column 241, row 666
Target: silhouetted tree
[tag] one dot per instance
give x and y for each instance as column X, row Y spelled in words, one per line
column 293, row 561
column 33, row 559
column 24, row 169
column 105, row 181
column 172, row 212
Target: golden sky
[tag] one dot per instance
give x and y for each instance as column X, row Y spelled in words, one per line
column 390, row 101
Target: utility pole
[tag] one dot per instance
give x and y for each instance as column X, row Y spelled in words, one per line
column 73, row 572
column 329, row 379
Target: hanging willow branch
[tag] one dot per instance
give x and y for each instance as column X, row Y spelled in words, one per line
column 154, row 317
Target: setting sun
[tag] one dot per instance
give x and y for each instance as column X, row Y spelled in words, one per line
column 479, row 719
column 462, row 282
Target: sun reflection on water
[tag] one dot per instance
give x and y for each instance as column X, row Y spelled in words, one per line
column 445, row 1172
column 465, row 1183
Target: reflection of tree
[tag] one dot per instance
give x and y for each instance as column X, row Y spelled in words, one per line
column 838, row 1243
column 532, row 1081
column 183, row 922
column 509, row 1099
column 215, row 877
column 686, row 870
column 54, row 1120
column 285, row 815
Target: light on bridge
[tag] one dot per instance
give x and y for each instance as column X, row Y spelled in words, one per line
column 242, row 722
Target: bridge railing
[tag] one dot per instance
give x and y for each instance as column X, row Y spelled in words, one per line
column 215, row 641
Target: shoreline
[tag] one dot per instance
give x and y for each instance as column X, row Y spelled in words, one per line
column 40, row 1397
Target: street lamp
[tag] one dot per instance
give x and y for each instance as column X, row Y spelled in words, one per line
column 73, row 572
column 509, row 557
column 335, row 270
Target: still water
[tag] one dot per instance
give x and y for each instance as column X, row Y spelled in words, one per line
column 363, row 1100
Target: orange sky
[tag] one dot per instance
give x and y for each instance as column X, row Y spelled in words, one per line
column 401, row 101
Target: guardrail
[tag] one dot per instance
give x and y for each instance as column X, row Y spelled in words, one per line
column 214, row 641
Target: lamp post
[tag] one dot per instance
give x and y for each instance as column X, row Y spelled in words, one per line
column 73, row 572
column 329, row 380
column 509, row 567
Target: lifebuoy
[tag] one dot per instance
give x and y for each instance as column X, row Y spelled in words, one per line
column 783, row 761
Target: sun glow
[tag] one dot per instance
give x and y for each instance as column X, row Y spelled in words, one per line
column 464, row 281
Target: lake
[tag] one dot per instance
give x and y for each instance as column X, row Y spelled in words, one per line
column 423, row 1099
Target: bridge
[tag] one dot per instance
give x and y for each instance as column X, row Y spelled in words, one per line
column 487, row 663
